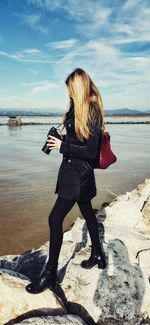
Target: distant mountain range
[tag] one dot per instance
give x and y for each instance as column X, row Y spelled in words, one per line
column 28, row 113
column 125, row 111
column 120, row 111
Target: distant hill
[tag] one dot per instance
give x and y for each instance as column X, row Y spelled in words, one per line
column 29, row 113
column 124, row 111
column 119, row 111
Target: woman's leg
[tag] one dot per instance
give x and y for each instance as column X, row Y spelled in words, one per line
column 91, row 220
column 97, row 254
column 48, row 279
column 56, row 218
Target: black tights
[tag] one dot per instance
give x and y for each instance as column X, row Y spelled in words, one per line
column 56, row 217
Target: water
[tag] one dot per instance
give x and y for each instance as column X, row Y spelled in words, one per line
column 28, row 179
column 46, row 119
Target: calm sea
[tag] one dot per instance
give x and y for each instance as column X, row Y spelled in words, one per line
column 28, row 178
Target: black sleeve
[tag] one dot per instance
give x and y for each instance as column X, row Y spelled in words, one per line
column 63, row 137
column 87, row 151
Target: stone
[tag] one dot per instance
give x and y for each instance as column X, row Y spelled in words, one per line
column 51, row 320
column 146, row 211
column 116, row 295
column 15, row 301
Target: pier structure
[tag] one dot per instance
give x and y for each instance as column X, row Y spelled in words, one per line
column 14, row 120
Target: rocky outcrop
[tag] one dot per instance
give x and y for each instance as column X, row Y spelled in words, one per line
column 116, row 295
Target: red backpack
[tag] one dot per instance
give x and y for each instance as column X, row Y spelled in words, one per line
column 106, row 157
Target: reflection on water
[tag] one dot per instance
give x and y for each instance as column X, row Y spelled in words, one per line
column 28, row 180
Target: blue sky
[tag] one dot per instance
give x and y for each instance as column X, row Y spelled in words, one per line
column 42, row 41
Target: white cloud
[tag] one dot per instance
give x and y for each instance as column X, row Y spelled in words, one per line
column 31, row 20
column 14, row 56
column 106, row 53
column 46, row 4
column 34, row 22
column 117, row 76
column 99, row 30
column 93, row 11
column 33, row 71
column 40, row 83
column 39, row 87
column 28, row 55
column 133, row 20
column 63, row 44
column 98, row 18
column 31, row 51
column 130, row 4
column 27, row 103
column 38, row 94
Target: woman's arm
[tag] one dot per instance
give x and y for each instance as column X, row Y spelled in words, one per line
column 87, row 151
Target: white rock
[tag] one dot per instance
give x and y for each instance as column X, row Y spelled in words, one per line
column 51, row 320
column 15, row 300
column 117, row 295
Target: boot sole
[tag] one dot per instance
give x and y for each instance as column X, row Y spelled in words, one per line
column 90, row 267
column 51, row 287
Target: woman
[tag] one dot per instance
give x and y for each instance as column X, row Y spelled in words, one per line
column 80, row 148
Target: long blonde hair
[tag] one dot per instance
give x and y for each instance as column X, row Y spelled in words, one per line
column 87, row 101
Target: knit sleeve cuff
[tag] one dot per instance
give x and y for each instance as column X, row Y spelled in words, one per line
column 63, row 148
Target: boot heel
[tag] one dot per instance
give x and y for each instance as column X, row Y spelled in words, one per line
column 101, row 264
column 48, row 279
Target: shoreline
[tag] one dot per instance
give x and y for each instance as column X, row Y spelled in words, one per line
column 44, row 123
column 58, row 115
column 18, row 122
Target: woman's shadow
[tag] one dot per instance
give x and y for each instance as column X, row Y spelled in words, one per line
column 120, row 287
column 80, row 245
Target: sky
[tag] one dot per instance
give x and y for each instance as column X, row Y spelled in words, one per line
column 43, row 41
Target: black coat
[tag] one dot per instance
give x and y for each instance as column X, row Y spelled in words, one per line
column 76, row 179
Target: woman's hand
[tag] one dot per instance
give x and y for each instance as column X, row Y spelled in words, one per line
column 53, row 142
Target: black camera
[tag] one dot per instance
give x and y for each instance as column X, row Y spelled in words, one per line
column 53, row 131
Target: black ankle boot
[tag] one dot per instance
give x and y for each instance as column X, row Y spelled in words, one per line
column 95, row 258
column 48, row 279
